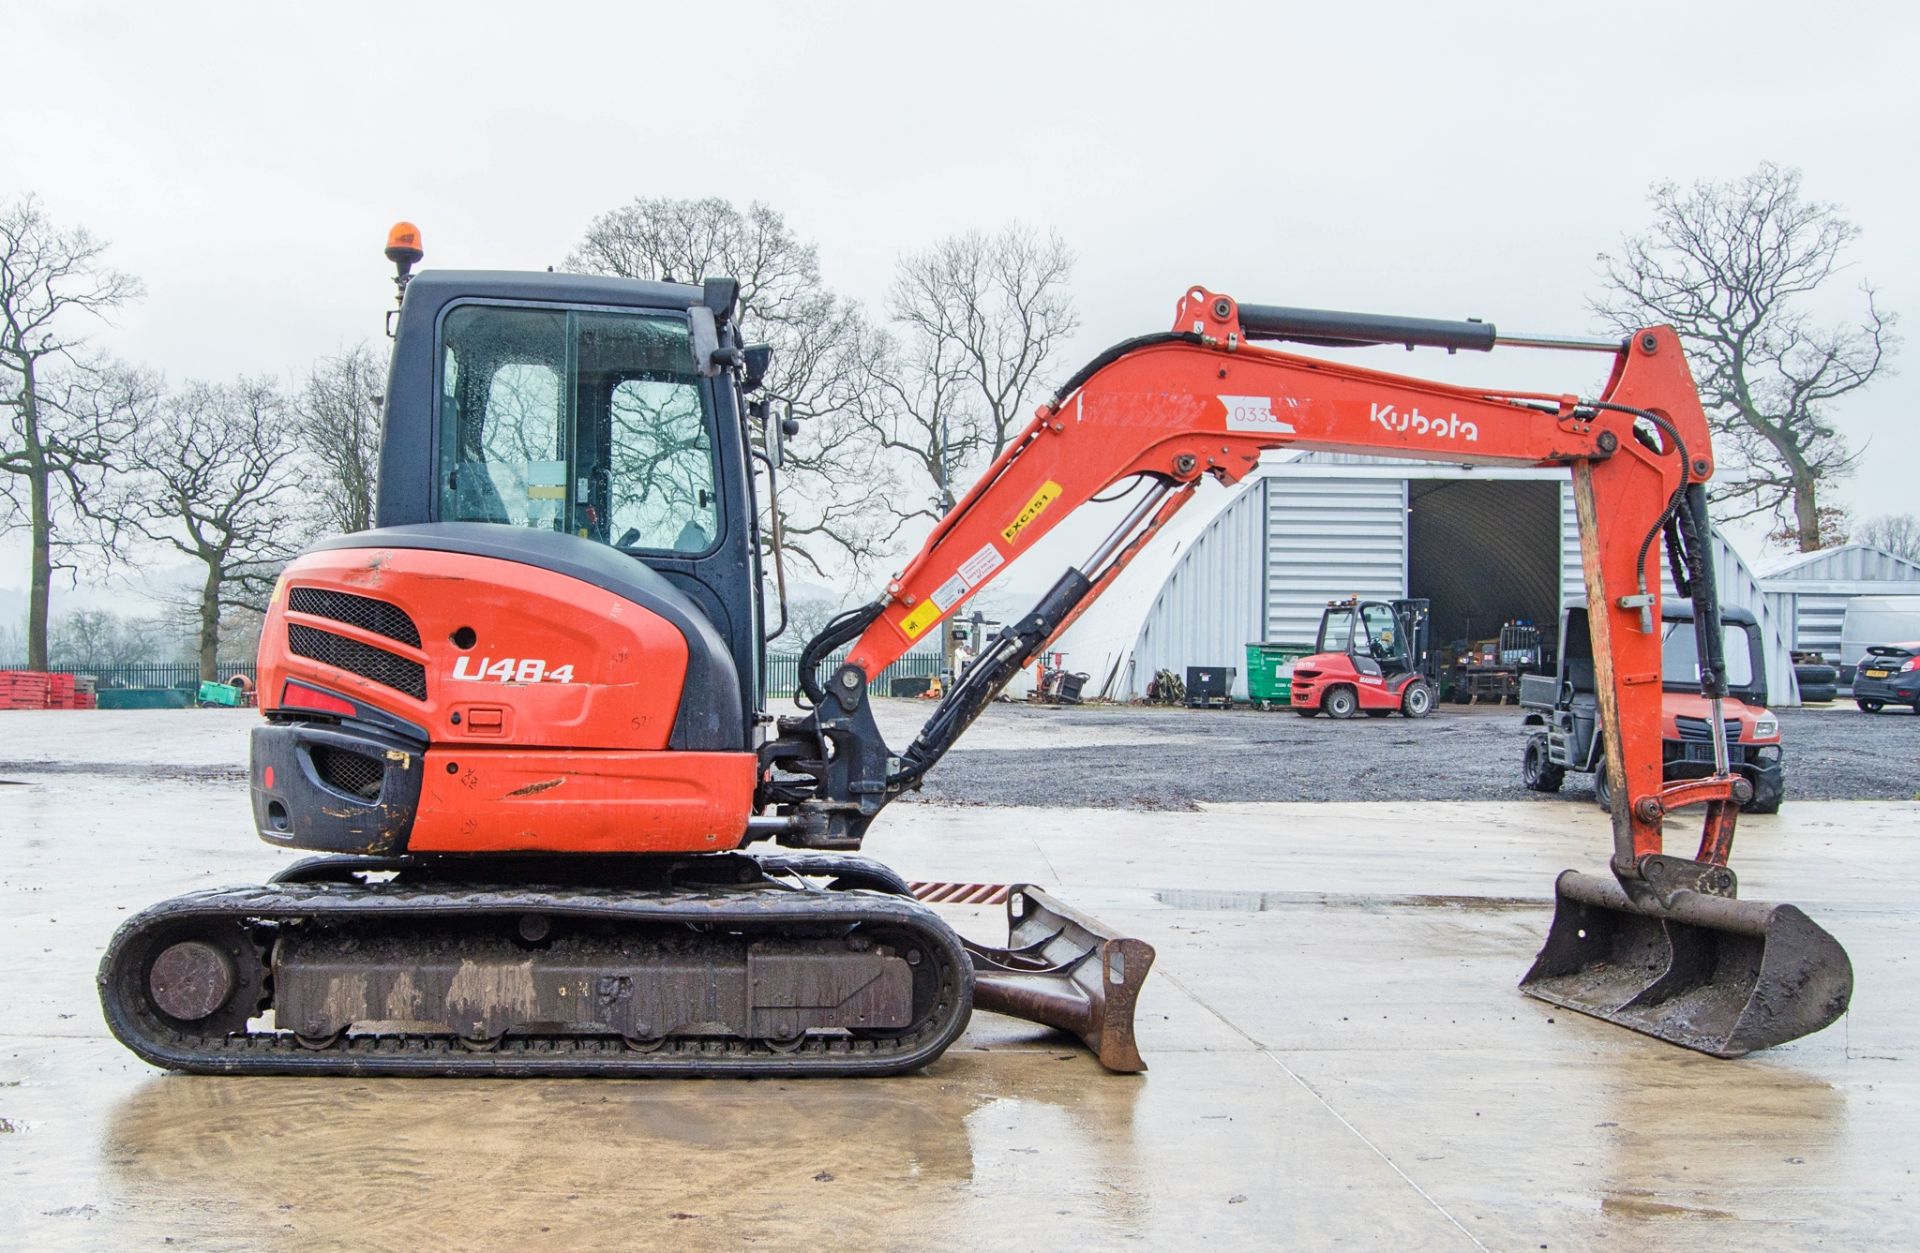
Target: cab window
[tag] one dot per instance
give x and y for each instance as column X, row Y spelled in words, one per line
column 1336, row 633
column 572, row 420
column 1680, row 655
column 1383, row 631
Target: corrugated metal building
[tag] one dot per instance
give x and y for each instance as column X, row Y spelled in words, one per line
column 1808, row 592
column 1484, row 544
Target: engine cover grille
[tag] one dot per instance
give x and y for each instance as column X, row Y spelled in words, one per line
column 364, row 612
column 376, row 664
column 356, row 774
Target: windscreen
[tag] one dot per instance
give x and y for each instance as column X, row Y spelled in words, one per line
column 1336, row 632
column 1383, row 633
column 571, row 420
column 1680, row 656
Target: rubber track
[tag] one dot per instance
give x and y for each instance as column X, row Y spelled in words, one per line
column 122, row 993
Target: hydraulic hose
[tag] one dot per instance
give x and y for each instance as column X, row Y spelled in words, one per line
column 1687, row 529
column 841, row 630
column 1679, row 492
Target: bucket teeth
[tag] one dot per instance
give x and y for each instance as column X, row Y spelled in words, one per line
column 1711, row 973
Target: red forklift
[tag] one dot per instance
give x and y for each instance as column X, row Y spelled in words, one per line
column 1373, row 657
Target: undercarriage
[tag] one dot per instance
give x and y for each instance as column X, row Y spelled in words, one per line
column 701, row 966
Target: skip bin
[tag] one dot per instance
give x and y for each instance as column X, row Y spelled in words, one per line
column 142, row 698
column 1209, row 687
column 1270, row 672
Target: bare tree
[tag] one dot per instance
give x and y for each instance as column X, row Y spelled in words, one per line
column 1898, row 533
column 13, row 644
column 218, row 478
column 920, row 408
column 978, row 322
column 102, row 639
column 830, row 508
column 1729, row 265
column 64, row 424
column 337, row 417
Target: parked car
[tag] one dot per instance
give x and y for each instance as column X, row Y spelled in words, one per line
column 1889, row 674
column 1565, row 709
column 1873, row 620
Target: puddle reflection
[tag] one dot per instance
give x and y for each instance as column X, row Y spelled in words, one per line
column 285, row 1160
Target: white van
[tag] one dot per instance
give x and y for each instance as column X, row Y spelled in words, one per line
column 1874, row 620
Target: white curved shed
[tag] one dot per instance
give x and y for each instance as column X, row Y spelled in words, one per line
column 1259, row 562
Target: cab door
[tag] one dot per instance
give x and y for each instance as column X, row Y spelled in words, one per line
column 597, row 422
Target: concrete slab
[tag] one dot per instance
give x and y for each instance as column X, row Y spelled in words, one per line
column 1338, row 1058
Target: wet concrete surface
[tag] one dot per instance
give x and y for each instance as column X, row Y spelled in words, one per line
column 1339, row 1057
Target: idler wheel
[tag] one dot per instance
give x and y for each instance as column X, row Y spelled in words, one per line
column 190, row 980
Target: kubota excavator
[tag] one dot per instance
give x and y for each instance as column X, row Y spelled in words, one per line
column 526, row 721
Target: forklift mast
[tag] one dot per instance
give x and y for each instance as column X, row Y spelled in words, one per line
column 1415, row 615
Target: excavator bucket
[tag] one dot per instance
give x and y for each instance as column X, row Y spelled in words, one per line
column 1707, row 972
column 1065, row 970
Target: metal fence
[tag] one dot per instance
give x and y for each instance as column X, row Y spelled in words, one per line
column 185, row 674
column 783, row 673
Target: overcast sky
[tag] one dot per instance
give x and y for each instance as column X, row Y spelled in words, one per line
column 1446, row 160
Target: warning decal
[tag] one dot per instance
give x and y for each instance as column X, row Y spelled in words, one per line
column 950, row 593
column 972, row 572
column 916, row 623
column 976, row 568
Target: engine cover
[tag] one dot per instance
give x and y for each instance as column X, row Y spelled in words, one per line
column 453, row 689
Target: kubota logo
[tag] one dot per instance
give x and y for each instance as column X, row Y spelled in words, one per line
column 511, row 670
column 1418, row 423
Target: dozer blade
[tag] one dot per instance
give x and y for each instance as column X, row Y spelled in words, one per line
column 1712, row 973
column 1065, row 970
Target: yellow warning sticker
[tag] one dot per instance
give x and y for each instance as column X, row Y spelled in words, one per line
column 916, row 623
column 1048, row 493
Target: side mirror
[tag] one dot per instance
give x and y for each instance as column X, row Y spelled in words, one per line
column 759, row 359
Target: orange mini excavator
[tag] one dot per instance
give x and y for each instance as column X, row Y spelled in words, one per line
column 526, row 717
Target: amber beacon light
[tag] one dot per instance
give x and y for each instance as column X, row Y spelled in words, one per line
column 404, row 250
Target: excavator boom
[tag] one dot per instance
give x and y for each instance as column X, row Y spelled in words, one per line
column 1203, row 400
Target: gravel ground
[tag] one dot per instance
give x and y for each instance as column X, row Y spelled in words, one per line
column 1154, row 758
column 1102, row 756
